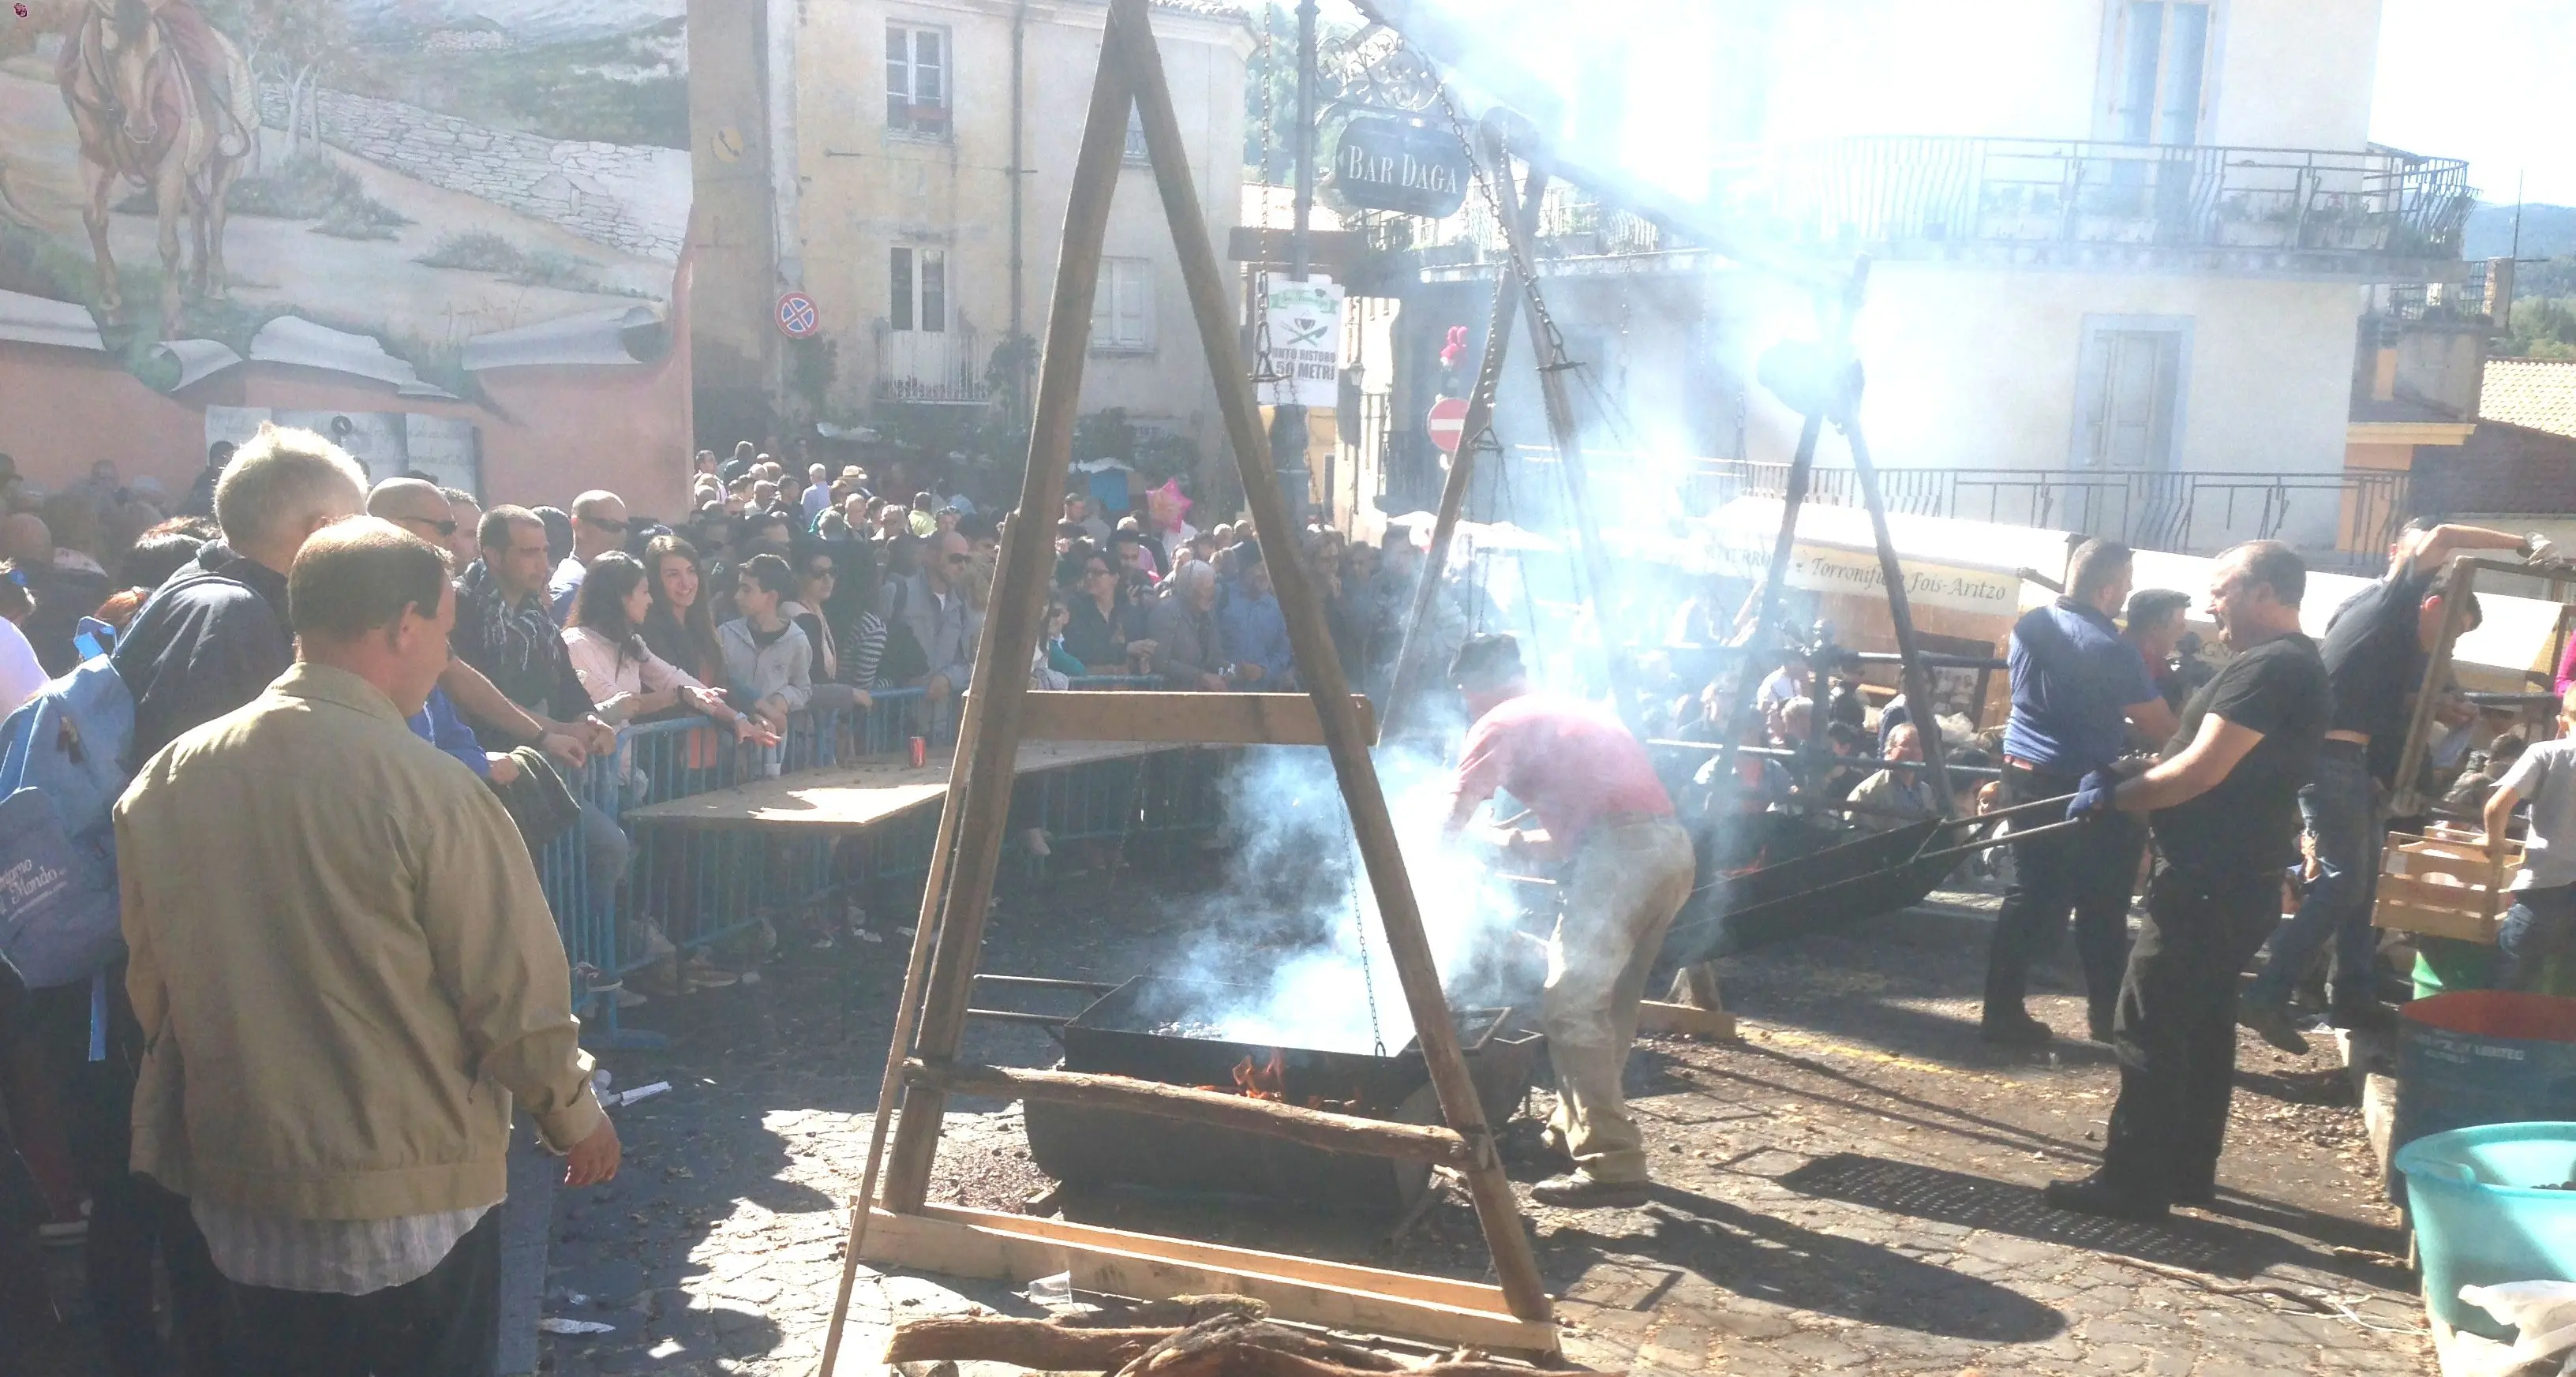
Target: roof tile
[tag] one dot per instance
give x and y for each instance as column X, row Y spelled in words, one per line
column 2536, row 394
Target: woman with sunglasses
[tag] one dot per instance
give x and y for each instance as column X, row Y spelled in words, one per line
column 817, row 574
column 1103, row 633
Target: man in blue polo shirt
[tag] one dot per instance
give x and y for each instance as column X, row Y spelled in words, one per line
column 2076, row 687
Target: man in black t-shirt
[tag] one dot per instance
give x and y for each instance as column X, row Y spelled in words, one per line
column 2374, row 652
column 2223, row 806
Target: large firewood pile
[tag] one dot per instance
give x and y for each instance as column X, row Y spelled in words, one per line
column 1191, row 1336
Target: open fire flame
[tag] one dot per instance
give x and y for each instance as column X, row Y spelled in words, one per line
column 1268, row 1080
column 1265, row 1081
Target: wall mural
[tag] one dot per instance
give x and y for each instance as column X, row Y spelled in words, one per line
column 405, row 190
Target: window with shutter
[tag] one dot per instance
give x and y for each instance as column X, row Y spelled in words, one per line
column 916, row 82
column 917, row 289
column 2129, row 393
column 1122, row 307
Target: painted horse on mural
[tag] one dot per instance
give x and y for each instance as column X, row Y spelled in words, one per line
column 164, row 102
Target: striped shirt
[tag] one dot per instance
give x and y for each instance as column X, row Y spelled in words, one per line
column 340, row 1257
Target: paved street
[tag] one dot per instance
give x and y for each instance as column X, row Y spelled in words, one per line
column 1851, row 1188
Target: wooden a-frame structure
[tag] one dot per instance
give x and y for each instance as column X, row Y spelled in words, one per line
column 921, row 1065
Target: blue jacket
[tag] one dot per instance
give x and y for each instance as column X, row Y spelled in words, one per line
column 438, row 724
column 1253, row 631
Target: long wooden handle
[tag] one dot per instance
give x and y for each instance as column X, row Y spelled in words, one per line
column 1313, row 1127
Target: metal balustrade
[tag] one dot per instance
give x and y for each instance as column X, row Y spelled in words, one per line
column 681, row 890
column 2195, row 512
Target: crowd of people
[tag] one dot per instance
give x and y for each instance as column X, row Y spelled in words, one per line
column 294, row 601
column 317, row 618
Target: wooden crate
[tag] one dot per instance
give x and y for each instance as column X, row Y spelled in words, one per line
column 2438, row 884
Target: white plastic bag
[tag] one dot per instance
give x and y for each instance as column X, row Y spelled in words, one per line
column 2545, row 1312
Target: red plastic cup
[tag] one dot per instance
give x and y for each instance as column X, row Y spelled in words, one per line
column 920, row 752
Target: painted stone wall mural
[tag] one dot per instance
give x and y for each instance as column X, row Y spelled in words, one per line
column 407, row 191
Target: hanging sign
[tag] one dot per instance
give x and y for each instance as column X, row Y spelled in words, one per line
column 797, row 317
column 1387, row 164
column 1305, row 343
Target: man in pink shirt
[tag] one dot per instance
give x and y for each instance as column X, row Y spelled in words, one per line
column 1599, row 806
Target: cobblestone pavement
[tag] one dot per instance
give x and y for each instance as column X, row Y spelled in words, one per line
column 1851, row 1187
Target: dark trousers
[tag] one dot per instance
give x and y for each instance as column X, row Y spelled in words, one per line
column 2541, row 924
column 132, row 1218
column 440, row 1325
column 2176, row 1029
column 2086, row 870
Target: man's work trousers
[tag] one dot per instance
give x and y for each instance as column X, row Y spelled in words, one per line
column 2343, row 812
column 2086, row 870
column 2176, row 1029
column 1626, row 883
column 440, row 1325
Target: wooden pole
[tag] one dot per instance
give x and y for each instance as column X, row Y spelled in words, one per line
column 2454, row 584
column 907, row 1009
column 1018, row 606
column 1515, row 1268
column 1919, row 707
column 1548, row 352
column 1270, row 1118
column 1405, row 684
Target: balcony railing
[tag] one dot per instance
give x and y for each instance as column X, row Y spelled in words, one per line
column 2339, row 520
column 1859, row 192
column 936, row 367
column 2042, row 191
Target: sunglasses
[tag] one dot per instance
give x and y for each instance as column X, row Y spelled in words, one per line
column 618, row 527
column 444, row 528
column 961, row 559
column 821, row 572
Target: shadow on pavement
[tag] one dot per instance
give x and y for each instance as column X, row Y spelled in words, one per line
column 1764, row 1258
column 1976, row 1202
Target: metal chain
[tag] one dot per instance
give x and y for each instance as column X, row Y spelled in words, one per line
column 1555, row 348
column 1263, row 370
column 1359, row 925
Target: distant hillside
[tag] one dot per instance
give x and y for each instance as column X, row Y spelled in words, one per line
column 2547, row 231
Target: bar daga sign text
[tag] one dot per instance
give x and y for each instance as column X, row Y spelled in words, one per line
column 1386, row 164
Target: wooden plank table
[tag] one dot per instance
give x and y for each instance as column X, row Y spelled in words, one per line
column 842, row 797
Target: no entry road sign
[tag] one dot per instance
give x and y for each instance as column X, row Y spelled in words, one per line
column 1448, row 419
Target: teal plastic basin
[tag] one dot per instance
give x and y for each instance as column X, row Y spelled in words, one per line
column 2482, row 1216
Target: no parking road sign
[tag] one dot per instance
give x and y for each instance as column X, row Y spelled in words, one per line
column 797, row 317
column 1448, row 419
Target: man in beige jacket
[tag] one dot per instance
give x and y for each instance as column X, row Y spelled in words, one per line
column 346, row 973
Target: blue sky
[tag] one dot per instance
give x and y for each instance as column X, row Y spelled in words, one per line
column 2485, row 80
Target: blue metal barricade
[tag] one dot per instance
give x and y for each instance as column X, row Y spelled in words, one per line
column 625, row 900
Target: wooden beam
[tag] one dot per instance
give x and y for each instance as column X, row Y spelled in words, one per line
column 1313, row 1127
column 1656, row 1016
column 994, row 1246
column 990, row 738
column 1319, row 668
column 1405, row 683
column 1201, row 719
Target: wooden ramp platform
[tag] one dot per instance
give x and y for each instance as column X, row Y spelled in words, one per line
column 855, row 795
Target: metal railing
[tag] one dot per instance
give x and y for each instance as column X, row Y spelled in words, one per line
column 2195, row 513
column 2033, row 191
column 627, row 897
column 939, row 367
column 1855, row 192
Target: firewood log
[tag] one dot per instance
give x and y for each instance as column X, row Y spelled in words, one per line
column 1034, row 1344
column 1179, row 1312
